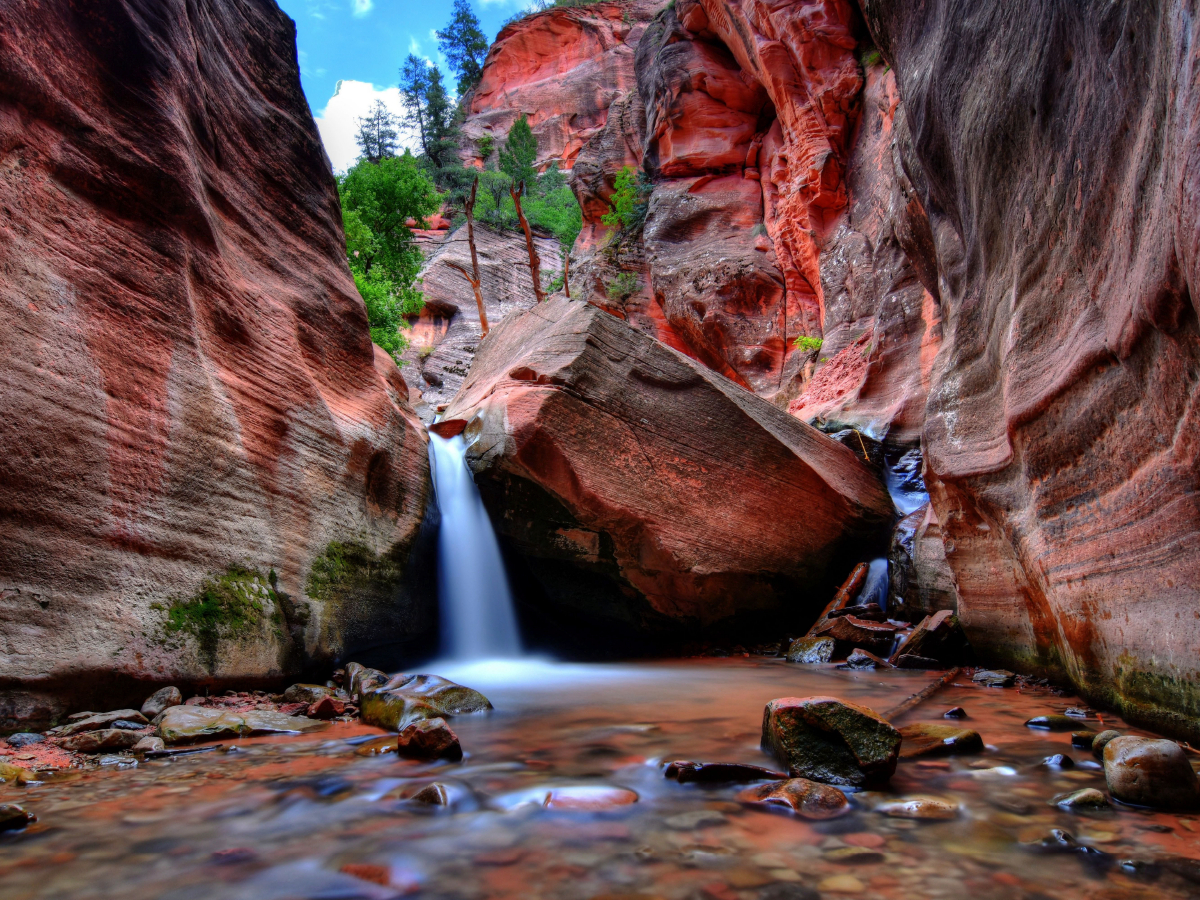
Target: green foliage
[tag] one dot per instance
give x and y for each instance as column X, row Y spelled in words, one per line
column 622, row 287
column 377, row 200
column 519, row 153
column 807, row 344
column 629, row 202
column 871, row 57
column 230, row 605
column 429, row 111
column 486, row 145
column 377, row 137
column 348, row 566
column 464, row 45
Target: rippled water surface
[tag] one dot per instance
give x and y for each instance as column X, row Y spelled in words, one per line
column 305, row 817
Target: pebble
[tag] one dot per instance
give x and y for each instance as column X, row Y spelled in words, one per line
column 428, row 739
column 1081, row 801
column 1100, row 741
column 1052, row 723
column 955, row 713
column 24, row 739
column 808, row 799
column 1058, row 761
column 149, row 744
column 923, row 808
column 928, row 739
column 842, row 884
column 994, row 678
column 1082, row 739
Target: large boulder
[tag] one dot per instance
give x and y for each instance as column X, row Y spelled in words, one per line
column 831, row 741
column 189, row 396
column 636, row 486
column 399, row 701
column 1150, row 772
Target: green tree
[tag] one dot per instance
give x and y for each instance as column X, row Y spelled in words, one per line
column 464, row 46
column 378, row 199
column 519, row 153
column 429, row 110
column 624, row 201
column 377, row 137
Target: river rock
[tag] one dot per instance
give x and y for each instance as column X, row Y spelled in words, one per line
column 831, row 741
column 149, row 744
column 1100, row 741
column 849, row 631
column 938, row 638
column 1150, row 772
column 1058, row 761
column 101, row 720
column 24, row 739
column 306, row 693
column 1052, row 723
column 1083, row 739
column 956, row 712
column 428, row 739
column 99, row 741
column 14, row 818
column 686, row 772
column 408, row 698
column 602, row 454
column 812, row 651
column 994, row 678
column 184, row 724
column 432, row 795
column 932, row 739
column 862, row 659
column 15, row 774
column 808, row 799
column 923, row 808
column 163, row 698
column 327, row 708
column 1085, row 800
column 360, row 678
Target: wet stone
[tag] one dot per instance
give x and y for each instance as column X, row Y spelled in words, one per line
column 149, row 745
column 1100, row 741
column 15, row 774
column 811, row 651
column 685, row 771
column 956, row 713
column 161, row 700
column 126, row 725
column 862, row 659
column 24, row 739
column 808, row 799
column 938, row 638
column 99, row 741
column 14, row 818
column 825, row 739
column 702, row 818
column 428, row 739
column 1086, row 800
column 1052, row 723
column 1058, row 761
column 1083, row 739
column 1150, row 772
column 326, row 708
column 183, row 724
column 920, row 808
column 432, row 795
column 930, row 739
column 306, row 693
column 994, row 678
column 101, row 721
column 853, row 856
column 410, row 698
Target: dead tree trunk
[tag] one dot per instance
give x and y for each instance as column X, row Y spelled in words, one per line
column 535, row 264
column 475, row 281
column 567, row 272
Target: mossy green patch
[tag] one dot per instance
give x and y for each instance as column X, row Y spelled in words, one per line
column 231, row 605
column 357, row 586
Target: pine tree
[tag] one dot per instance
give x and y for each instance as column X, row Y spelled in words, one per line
column 464, row 46
column 414, row 86
column 519, row 153
column 377, row 136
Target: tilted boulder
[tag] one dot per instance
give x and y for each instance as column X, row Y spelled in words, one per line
column 398, row 701
column 642, row 489
column 831, row 741
column 937, row 643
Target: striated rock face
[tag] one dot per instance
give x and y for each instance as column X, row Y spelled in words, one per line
column 632, row 484
column 1062, row 427
column 447, row 332
column 188, row 394
column 563, row 69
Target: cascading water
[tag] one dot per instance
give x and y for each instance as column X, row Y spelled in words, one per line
column 477, row 615
column 875, row 585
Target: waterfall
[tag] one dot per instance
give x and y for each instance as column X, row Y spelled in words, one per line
column 476, row 603
column 875, row 586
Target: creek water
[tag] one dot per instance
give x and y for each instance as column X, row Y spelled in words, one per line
column 306, row 817
column 477, row 617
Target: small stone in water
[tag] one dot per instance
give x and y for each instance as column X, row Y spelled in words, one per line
column 149, row 744
column 1059, row 761
column 807, row 799
column 96, row 741
column 789, row 891
column 24, row 739
column 956, row 713
column 1086, row 799
column 923, row 808
column 14, row 818
column 685, row 772
column 703, row 818
column 994, row 678
column 161, row 700
column 1082, row 739
column 429, row 739
column 1052, row 723
column 1100, row 741
column 1076, row 713
column 929, row 739
column 811, row 651
column 842, row 884
column 121, row 762
column 432, row 795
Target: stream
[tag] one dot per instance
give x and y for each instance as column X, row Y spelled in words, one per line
column 307, row 817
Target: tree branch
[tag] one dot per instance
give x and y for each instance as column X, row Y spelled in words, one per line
column 535, row 264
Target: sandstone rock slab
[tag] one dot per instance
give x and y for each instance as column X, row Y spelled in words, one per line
column 185, row 724
column 831, row 741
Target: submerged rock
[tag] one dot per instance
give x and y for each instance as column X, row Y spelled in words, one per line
column 994, row 678
column 808, row 799
column 923, row 808
column 428, row 739
column 956, row 712
column 828, row 740
column 1100, row 741
column 812, row 651
column 1085, row 800
column 686, row 772
column 183, row 724
column 432, row 795
column 150, row 745
column 1052, row 723
column 409, row 698
column 98, row 741
column 15, row 774
column 1083, row 740
column 1150, row 772
column 14, row 818
column 931, row 739
column 160, row 700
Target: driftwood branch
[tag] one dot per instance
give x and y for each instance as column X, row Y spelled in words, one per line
column 922, row 695
column 567, row 272
column 535, row 264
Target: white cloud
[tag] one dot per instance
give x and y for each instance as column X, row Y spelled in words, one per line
column 362, row 7
column 338, row 121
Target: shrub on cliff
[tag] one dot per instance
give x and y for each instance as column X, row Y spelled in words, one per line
column 378, row 200
column 629, row 202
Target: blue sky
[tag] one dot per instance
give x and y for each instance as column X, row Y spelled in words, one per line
column 362, row 44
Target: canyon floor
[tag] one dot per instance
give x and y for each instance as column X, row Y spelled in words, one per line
column 562, row 794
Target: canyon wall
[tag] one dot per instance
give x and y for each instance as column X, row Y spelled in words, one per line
column 207, row 471
column 1056, row 147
